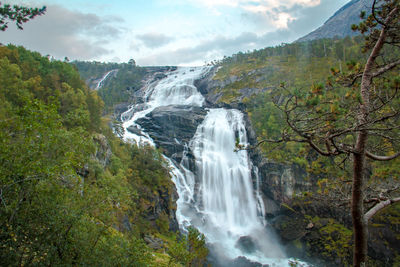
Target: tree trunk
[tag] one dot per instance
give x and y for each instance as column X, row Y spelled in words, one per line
column 360, row 229
column 360, row 226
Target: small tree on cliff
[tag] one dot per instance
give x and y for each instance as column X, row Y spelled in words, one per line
column 355, row 116
column 19, row 14
column 190, row 251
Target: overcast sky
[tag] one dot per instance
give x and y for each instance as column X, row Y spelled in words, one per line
column 165, row 32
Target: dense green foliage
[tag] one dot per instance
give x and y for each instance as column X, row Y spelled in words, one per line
column 190, row 250
column 71, row 193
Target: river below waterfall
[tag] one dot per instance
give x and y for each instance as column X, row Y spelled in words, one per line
column 217, row 186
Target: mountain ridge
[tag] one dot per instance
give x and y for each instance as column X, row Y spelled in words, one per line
column 339, row 24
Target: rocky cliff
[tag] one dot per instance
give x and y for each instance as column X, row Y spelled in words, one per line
column 172, row 127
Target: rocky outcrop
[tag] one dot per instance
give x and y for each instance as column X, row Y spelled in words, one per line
column 172, row 127
column 120, row 108
column 227, row 262
column 283, row 182
column 103, row 150
column 159, row 208
column 244, row 262
column 210, row 88
column 154, row 242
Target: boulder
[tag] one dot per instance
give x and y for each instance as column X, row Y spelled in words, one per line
column 244, row 262
column 290, row 228
column 271, row 209
column 135, row 130
column 121, row 108
column 246, row 244
column 154, row 242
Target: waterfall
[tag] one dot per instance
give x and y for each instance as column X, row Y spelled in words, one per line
column 225, row 206
column 177, row 88
column 104, row 78
column 217, row 195
column 226, row 189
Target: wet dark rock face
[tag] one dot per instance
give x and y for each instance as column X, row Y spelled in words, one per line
column 172, row 127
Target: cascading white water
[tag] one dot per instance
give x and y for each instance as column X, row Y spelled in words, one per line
column 218, row 196
column 175, row 89
column 224, row 207
column 226, row 190
column 102, row 80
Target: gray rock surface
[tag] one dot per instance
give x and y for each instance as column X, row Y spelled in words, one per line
column 171, row 127
column 154, row 242
column 103, row 150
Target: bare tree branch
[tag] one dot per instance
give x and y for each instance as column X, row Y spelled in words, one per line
column 379, row 207
column 386, row 68
column 381, row 158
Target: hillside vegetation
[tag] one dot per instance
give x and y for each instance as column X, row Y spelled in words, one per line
column 71, row 192
column 309, row 71
column 304, row 67
column 115, row 90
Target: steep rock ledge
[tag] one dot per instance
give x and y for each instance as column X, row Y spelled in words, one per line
column 172, row 127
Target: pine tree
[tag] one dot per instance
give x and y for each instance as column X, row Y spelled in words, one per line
column 355, row 117
column 19, row 14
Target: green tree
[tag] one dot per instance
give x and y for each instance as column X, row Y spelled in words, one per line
column 356, row 116
column 190, row 250
column 64, row 186
column 197, row 247
column 19, row 14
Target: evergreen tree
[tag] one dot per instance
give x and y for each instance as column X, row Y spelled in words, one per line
column 19, row 14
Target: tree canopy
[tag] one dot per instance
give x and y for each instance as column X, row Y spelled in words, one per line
column 71, row 192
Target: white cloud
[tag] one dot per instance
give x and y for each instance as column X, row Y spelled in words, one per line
column 274, row 11
column 187, row 33
column 283, row 20
column 206, row 50
column 154, row 39
column 62, row 32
